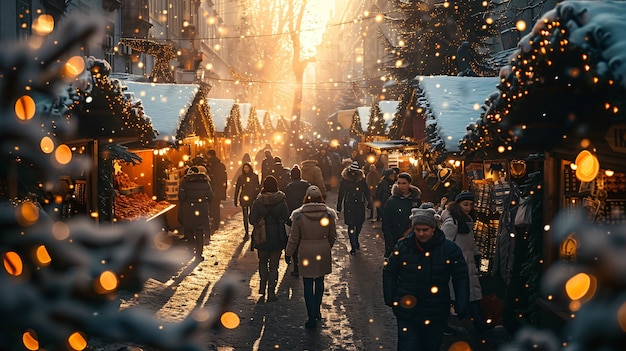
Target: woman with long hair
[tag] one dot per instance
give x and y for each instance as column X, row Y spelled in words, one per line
column 313, row 234
column 246, row 190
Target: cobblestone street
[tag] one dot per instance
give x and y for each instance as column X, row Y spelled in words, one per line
column 354, row 316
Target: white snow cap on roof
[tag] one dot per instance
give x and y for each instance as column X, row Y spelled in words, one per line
column 165, row 104
column 387, row 107
column 454, row 102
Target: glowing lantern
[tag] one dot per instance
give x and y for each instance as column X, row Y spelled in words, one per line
column 74, row 66
column 43, row 25
column 46, row 144
column 25, row 108
column 43, row 256
column 580, row 286
column 587, row 166
column 13, row 263
column 230, row 320
column 77, row 341
column 29, row 339
column 63, row 154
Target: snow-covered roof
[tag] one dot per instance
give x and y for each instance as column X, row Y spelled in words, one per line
column 454, row 103
column 220, row 110
column 165, row 104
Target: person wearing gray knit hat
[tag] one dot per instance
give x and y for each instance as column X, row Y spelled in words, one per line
column 423, row 215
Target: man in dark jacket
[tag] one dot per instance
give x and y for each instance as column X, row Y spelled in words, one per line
column 295, row 192
column 396, row 223
column 267, row 166
column 280, row 173
column 415, row 283
column 219, row 182
column 194, row 196
column 383, row 191
column 271, row 205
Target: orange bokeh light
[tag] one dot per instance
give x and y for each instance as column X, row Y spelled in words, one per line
column 25, row 108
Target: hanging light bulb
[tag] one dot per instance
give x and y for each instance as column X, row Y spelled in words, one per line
column 588, row 166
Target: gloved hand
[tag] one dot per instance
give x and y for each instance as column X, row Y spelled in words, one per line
column 288, row 259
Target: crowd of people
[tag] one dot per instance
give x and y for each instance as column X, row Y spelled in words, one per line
column 431, row 259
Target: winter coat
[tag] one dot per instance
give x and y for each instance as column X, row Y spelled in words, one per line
column 247, row 189
column 313, row 174
column 272, row 206
column 218, row 178
column 396, row 222
column 267, row 166
column 468, row 246
column 325, row 164
column 194, row 196
column 313, row 238
column 372, row 178
column 383, row 189
column 295, row 192
column 282, row 176
column 353, row 196
column 415, row 269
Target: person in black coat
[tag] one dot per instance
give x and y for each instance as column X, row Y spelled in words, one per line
column 280, row 173
column 270, row 204
column 352, row 197
column 246, row 191
column 383, row 191
column 267, row 166
column 396, row 223
column 219, row 182
column 194, row 196
column 295, row 192
column 415, row 283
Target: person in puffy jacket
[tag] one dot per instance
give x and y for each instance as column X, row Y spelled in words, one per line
column 272, row 206
column 313, row 174
column 246, row 190
column 415, row 283
column 352, row 198
column 313, row 234
column 194, row 196
column 396, row 223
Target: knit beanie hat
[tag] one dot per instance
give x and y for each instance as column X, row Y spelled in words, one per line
column 313, row 192
column 464, row 195
column 423, row 216
column 295, row 173
column 270, row 185
column 278, row 160
column 355, row 166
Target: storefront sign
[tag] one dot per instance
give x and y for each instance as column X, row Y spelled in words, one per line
column 616, row 137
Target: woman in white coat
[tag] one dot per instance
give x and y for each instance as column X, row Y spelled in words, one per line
column 457, row 223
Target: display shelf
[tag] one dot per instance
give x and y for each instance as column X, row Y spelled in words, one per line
column 160, row 212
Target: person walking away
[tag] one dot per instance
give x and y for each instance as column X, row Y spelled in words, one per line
column 219, row 182
column 336, row 167
column 280, row 173
column 267, row 166
column 383, row 191
column 396, row 223
column 352, row 197
column 458, row 226
column 194, row 196
column 415, row 283
column 313, row 174
column 246, row 190
column 295, row 192
column 325, row 164
column 271, row 205
column 371, row 179
column 313, row 234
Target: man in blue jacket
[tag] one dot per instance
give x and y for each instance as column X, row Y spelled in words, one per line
column 415, row 283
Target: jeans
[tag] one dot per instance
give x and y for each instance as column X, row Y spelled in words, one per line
column 418, row 336
column 268, row 269
column 313, row 292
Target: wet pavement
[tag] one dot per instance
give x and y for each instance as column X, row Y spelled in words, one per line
column 354, row 316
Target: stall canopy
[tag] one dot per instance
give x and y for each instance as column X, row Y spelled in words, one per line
column 165, row 104
column 450, row 103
